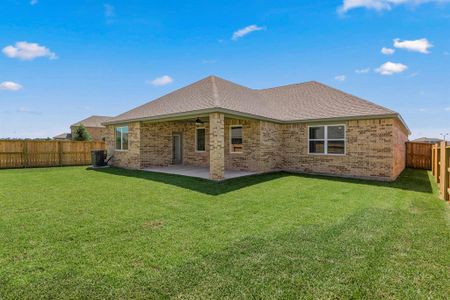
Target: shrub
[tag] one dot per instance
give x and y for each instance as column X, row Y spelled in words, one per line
column 81, row 134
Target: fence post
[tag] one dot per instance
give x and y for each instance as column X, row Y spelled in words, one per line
column 25, row 154
column 60, row 153
column 433, row 158
column 447, row 190
column 443, row 168
column 91, row 147
column 438, row 164
column 436, row 160
column 407, row 155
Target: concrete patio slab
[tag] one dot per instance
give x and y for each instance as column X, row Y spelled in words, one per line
column 195, row 171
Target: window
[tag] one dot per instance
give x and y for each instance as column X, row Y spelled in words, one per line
column 317, row 139
column 200, row 141
column 236, row 138
column 327, row 139
column 122, row 138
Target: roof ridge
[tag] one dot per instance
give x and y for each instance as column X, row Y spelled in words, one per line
column 287, row 85
column 102, row 116
column 215, row 92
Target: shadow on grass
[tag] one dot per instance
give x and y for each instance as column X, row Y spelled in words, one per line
column 193, row 183
column 349, row 259
column 411, row 180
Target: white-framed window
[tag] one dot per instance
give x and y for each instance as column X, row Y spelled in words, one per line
column 326, row 139
column 236, row 139
column 200, row 139
column 121, row 134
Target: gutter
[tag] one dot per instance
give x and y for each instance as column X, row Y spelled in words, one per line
column 193, row 113
column 205, row 112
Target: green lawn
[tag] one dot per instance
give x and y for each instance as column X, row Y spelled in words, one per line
column 78, row 233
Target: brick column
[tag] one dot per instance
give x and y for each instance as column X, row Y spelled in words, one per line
column 216, row 146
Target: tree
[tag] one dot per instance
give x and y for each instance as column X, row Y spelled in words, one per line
column 81, row 134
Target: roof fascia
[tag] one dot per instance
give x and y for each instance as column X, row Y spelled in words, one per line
column 230, row 113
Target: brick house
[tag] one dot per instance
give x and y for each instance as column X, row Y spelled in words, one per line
column 307, row 127
column 94, row 126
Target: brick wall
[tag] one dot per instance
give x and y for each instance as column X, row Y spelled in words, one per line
column 374, row 149
column 156, row 143
column 369, row 150
column 400, row 138
column 270, row 146
column 249, row 158
column 131, row 158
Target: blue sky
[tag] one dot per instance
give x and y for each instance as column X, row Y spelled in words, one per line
column 62, row 61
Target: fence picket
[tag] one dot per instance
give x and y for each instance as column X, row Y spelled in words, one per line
column 22, row 153
column 418, row 155
column 441, row 169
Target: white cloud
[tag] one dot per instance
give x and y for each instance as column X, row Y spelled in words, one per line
column 362, row 71
column 387, row 51
column 110, row 11
column 28, row 51
column 244, row 31
column 34, row 2
column 209, row 61
column 390, row 68
column 10, row 86
column 421, row 45
column 369, row 4
column 380, row 5
column 160, row 81
column 26, row 110
column 340, row 77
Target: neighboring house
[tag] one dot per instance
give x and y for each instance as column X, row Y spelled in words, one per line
column 306, row 127
column 63, row 137
column 426, row 140
column 94, row 126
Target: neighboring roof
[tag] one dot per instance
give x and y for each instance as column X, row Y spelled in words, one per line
column 92, row 121
column 427, row 140
column 290, row 103
column 63, row 136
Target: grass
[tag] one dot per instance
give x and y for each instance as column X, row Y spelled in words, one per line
column 77, row 233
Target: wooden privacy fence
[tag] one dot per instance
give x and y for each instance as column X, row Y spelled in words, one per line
column 441, row 168
column 418, row 155
column 29, row 153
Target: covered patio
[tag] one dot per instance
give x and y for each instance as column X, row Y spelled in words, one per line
column 194, row 171
column 189, row 146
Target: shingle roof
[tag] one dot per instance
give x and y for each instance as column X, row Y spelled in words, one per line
column 92, row 121
column 290, row 103
column 313, row 100
column 427, row 140
column 63, row 136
